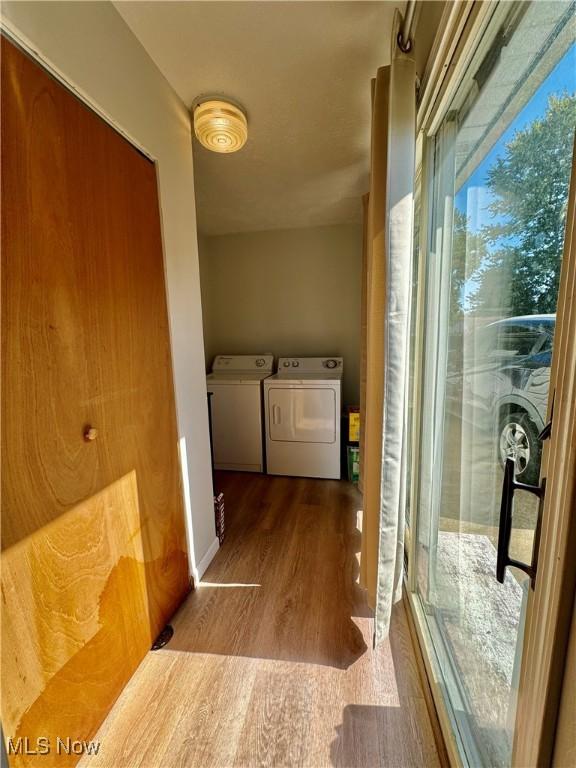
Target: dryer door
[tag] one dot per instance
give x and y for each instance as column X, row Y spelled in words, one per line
column 302, row 415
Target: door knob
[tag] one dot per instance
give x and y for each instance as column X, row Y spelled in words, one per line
column 90, row 434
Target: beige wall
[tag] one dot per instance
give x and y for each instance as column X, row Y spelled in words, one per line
column 289, row 292
column 92, row 48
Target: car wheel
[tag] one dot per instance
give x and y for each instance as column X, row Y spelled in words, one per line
column 519, row 441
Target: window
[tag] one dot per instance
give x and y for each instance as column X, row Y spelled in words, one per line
column 498, row 190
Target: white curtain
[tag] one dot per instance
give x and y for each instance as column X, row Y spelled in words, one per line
column 388, row 324
column 372, row 375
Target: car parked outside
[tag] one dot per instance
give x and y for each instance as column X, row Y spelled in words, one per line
column 504, row 368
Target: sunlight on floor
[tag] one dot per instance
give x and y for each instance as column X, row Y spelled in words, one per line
column 271, row 662
column 212, row 584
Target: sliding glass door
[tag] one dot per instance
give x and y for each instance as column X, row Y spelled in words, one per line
column 497, row 183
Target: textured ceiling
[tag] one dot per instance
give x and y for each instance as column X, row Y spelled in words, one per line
column 302, row 70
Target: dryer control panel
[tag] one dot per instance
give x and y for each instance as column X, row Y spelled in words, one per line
column 310, row 364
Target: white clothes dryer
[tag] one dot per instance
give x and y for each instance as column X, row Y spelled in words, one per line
column 302, row 409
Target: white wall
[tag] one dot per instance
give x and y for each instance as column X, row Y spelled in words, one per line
column 290, row 292
column 90, row 45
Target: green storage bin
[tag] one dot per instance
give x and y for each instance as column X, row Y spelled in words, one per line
column 353, row 463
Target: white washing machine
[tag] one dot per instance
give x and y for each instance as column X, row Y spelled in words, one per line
column 302, row 406
column 236, row 407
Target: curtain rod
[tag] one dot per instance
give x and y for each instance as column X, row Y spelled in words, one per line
column 404, row 36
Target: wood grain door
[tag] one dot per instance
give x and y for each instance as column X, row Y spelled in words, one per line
column 93, row 537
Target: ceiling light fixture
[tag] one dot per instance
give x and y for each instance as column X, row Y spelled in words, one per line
column 220, row 125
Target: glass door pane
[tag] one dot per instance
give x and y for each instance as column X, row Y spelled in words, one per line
column 499, row 189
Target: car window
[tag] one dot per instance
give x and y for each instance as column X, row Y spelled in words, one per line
column 516, row 341
column 546, row 340
column 485, row 341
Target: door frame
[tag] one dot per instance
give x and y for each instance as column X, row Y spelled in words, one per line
column 550, row 607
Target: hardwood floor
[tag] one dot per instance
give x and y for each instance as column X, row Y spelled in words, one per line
column 271, row 661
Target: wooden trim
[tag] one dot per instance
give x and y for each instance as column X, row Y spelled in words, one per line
column 550, row 605
column 426, row 688
column 565, row 736
column 450, row 749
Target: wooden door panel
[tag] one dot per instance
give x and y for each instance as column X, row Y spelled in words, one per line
column 75, row 619
column 94, row 548
column 43, row 348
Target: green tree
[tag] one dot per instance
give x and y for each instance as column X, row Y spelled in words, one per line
column 529, row 186
column 469, row 251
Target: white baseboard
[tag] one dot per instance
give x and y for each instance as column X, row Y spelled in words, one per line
column 206, row 560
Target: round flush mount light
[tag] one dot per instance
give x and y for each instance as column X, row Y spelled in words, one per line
column 220, row 125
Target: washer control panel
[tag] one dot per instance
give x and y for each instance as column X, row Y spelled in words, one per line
column 243, row 363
